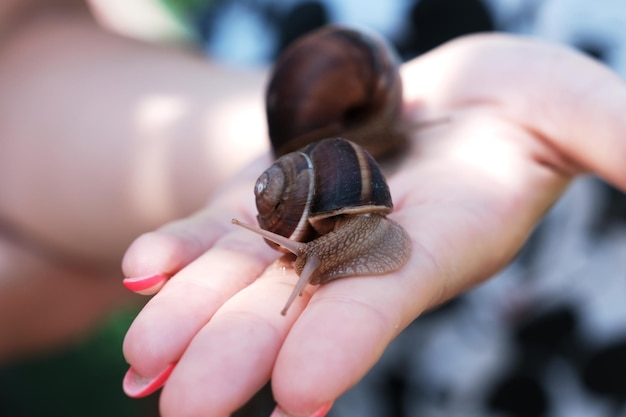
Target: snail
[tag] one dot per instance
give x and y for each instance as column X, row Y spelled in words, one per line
column 325, row 198
column 336, row 81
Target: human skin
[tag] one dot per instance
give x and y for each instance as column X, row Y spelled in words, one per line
column 525, row 118
column 102, row 138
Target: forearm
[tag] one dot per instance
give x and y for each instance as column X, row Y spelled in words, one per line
column 102, row 138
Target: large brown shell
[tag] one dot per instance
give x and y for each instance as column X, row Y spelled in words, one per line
column 336, row 81
column 298, row 196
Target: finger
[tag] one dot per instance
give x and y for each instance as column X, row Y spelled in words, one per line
column 232, row 356
column 166, row 325
column 573, row 103
column 154, row 257
column 344, row 330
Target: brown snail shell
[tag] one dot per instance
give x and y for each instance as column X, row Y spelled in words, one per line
column 336, row 81
column 298, row 196
column 326, row 200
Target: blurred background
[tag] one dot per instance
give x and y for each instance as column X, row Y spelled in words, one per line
column 546, row 337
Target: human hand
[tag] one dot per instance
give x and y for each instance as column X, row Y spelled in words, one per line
column 525, row 118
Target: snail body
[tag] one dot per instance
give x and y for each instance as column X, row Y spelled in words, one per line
column 362, row 244
column 325, row 198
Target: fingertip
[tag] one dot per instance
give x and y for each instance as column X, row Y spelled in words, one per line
column 136, row 385
column 170, row 248
column 150, row 366
column 163, row 252
column 153, row 253
column 148, row 285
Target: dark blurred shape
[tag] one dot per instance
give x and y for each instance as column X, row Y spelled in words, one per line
column 303, row 18
column 394, row 391
column 434, row 22
column 616, row 204
column 593, row 49
column 539, row 339
column 519, row 395
column 605, row 373
column 549, row 332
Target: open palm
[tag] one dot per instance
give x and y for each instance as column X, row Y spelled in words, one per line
column 523, row 119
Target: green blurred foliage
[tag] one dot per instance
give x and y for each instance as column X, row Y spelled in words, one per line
column 82, row 381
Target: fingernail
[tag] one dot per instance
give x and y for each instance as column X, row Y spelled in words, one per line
column 146, row 285
column 137, row 386
column 321, row 412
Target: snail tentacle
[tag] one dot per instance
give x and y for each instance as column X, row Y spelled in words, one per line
column 295, row 247
column 298, row 249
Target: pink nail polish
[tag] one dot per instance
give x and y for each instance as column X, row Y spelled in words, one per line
column 146, row 285
column 321, row 412
column 137, row 386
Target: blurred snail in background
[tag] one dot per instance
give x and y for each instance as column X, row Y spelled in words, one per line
column 336, row 82
column 325, row 198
